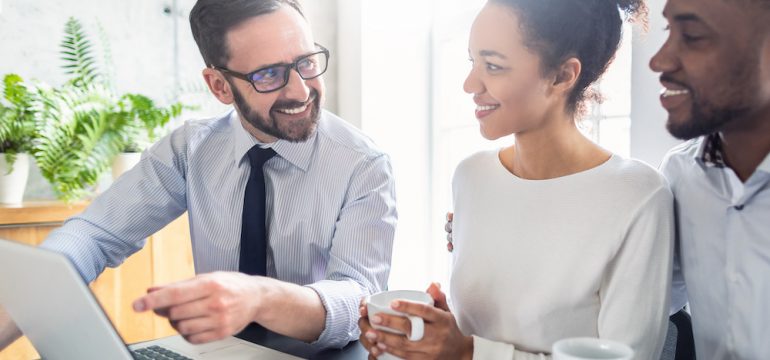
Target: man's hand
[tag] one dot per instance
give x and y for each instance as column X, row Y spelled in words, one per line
column 8, row 330
column 207, row 307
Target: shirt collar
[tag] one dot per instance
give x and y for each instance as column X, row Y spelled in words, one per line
column 297, row 153
column 710, row 152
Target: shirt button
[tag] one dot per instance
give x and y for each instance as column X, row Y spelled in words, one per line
column 738, row 207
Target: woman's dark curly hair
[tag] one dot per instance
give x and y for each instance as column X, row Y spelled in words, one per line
column 589, row 30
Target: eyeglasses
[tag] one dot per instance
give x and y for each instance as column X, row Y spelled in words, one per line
column 274, row 77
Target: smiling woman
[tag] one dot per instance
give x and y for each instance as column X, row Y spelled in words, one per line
column 409, row 80
column 455, row 134
column 553, row 235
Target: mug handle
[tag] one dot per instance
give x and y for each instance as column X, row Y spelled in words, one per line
column 418, row 328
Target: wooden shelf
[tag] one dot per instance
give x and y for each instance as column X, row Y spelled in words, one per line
column 39, row 212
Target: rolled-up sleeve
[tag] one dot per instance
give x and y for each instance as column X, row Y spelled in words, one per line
column 359, row 262
column 117, row 223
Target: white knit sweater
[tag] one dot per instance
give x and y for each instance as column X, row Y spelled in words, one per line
column 536, row 261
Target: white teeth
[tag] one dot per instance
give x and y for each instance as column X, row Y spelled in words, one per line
column 668, row 92
column 292, row 111
column 486, row 107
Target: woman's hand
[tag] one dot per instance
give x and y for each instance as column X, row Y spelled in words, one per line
column 363, row 324
column 442, row 338
column 448, row 229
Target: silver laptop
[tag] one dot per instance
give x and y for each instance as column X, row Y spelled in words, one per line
column 53, row 307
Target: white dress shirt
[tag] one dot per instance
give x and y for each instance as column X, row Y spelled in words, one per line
column 331, row 212
column 723, row 228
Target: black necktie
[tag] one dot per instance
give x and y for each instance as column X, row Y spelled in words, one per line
column 253, row 259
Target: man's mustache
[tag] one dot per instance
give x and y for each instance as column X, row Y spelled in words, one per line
column 670, row 79
column 293, row 104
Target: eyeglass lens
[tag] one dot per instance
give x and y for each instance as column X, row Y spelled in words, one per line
column 275, row 77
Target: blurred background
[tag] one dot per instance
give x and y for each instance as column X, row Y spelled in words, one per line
column 396, row 72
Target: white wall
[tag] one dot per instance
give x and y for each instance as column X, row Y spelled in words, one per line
column 349, row 26
column 322, row 15
column 140, row 38
column 396, row 111
column 394, row 97
column 649, row 138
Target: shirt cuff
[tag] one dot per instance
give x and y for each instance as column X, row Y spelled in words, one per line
column 341, row 300
column 82, row 256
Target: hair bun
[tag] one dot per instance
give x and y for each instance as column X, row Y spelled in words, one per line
column 636, row 10
column 630, row 6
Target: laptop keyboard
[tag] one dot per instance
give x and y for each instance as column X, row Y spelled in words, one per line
column 157, row 353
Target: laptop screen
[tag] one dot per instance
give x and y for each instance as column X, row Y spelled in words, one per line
column 53, row 307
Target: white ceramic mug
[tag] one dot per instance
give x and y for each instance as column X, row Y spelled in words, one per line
column 587, row 348
column 380, row 303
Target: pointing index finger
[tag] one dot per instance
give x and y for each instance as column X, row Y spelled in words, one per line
column 170, row 295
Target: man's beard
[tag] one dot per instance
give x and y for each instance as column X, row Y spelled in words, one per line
column 295, row 131
column 707, row 117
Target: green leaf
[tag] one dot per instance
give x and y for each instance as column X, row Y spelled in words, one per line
column 77, row 142
column 76, row 50
column 80, row 126
column 16, row 116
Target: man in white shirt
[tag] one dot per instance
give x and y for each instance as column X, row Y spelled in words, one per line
column 322, row 217
column 715, row 68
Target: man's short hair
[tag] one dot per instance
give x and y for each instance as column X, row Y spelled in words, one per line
column 210, row 20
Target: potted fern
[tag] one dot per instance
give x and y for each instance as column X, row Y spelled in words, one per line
column 78, row 134
column 144, row 124
column 84, row 124
column 17, row 130
column 77, row 125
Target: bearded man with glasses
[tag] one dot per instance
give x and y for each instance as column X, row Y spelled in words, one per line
column 292, row 210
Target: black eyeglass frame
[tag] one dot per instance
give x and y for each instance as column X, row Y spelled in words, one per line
column 288, row 67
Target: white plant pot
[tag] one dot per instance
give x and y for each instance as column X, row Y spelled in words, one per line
column 124, row 162
column 12, row 185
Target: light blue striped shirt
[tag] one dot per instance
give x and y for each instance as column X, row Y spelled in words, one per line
column 330, row 204
column 723, row 233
